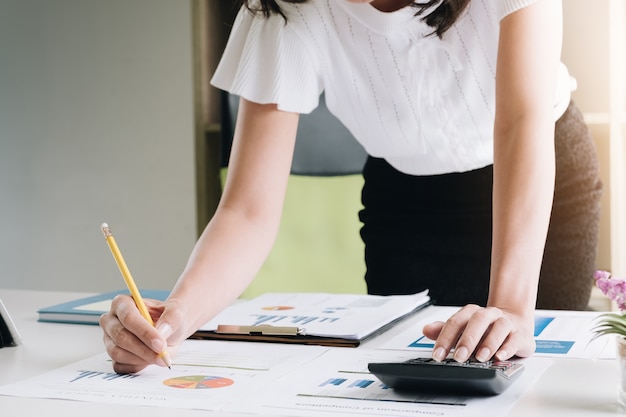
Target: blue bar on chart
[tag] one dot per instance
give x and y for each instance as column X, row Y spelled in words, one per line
column 260, row 319
column 333, row 381
column 265, row 319
column 328, row 319
column 107, row 376
column 541, row 323
column 555, row 347
column 422, row 342
column 361, row 383
column 303, row 319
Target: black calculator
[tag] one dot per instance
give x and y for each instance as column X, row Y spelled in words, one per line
column 449, row 376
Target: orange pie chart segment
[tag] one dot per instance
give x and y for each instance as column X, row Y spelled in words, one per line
column 277, row 308
column 198, row 382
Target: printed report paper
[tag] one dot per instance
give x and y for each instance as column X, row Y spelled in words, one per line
column 349, row 316
column 339, row 384
column 566, row 334
column 204, row 375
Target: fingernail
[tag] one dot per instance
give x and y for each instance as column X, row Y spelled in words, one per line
column 439, row 354
column 158, row 345
column 502, row 355
column 164, row 330
column 461, row 354
column 483, row 354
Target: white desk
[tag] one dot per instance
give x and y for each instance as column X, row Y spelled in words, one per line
column 569, row 388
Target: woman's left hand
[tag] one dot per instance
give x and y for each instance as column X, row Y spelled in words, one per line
column 482, row 332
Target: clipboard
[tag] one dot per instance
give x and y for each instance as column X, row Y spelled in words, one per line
column 292, row 335
column 9, row 335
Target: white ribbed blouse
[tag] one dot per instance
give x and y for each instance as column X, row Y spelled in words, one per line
column 424, row 104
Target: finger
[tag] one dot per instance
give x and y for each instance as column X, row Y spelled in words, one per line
column 516, row 344
column 433, row 330
column 128, row 352
column 478, row 325
column 494, row 339
column 136, row 332
column 451, row 331
column 124, row 362
column 170, row 324
column 118, row 337
column 120, row 349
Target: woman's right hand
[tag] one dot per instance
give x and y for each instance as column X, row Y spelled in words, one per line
column 132, row 342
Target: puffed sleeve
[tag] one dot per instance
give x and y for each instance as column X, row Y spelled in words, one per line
column 506, row 7
column 265, row 62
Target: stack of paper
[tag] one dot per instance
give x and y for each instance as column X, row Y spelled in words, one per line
column 312, row 318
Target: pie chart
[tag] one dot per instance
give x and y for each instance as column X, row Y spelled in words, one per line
column 198, row 382
column 277, row 308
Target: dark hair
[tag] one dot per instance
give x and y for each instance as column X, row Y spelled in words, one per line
column 440, row 19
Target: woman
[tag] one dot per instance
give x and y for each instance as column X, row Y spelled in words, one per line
column 455, row 101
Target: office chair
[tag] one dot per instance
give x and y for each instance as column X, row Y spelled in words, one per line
column 318, row 247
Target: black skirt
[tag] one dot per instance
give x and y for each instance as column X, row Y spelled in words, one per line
column 434, row 232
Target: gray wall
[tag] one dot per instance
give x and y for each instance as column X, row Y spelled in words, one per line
column 96, row 125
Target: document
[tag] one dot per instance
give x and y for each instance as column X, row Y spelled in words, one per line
column 275, row 379
column 557, row 334
column 315, row 318
column 204, row 375
column 339, row 384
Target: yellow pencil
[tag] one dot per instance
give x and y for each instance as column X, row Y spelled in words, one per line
column 130, row 283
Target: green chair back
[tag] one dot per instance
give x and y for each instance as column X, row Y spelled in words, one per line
column 318, row 247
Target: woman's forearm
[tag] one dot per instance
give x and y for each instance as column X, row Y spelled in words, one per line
column 524, row 163
column 224, row 261
column 240, row 235
column 523, row 190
